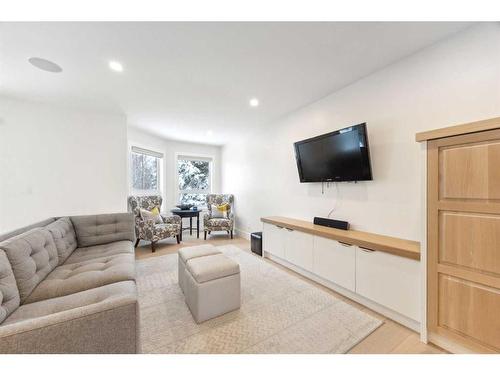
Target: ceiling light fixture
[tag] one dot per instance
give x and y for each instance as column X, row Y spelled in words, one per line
column 254, row 102
column 116, row 66
column 210, row 133
column 45, row 65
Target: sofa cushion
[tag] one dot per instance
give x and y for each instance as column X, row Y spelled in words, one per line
column 212, row 267
column 32, row 255
column 9, row 294
column 64, row 237
column 19, row 231
column 101, row 229
column 76, row 277
column 191, row 252
column 83, row 299
column 83, row 254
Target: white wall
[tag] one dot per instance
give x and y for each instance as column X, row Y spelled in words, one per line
column 56, row 161
column 453, row 82
column 170, row 149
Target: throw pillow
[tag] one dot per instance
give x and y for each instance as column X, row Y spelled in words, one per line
column 220, row 212
column 153, row 215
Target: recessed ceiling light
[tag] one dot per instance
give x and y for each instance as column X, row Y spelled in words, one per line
column 254, row 102
column 116, row 66
column 210, row 133
column 46, row 65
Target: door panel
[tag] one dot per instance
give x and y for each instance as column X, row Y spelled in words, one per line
column 470, row 240
column 274, row 240
column 471, row 309
column 335, row 262
column 390, row 280
column 299, row 249
column 470, row 171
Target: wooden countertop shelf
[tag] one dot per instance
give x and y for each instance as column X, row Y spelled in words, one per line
column 393, row 245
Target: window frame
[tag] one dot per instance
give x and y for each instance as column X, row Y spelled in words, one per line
column 195, row 157
column 133, row 148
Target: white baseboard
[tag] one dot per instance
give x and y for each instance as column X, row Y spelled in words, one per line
column 241, row 233
column 448, row 345
column 391, row 314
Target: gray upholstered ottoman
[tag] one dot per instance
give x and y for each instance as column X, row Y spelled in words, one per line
column 192, row 252
column 212, row 286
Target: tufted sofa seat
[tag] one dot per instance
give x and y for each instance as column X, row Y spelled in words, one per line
column 67, row 285
column 83, row 254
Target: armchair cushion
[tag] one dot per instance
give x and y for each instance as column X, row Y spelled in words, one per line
column 153, row 215
column 219, row 200
column 219, row 223
column 173, row 219
column 162, row 231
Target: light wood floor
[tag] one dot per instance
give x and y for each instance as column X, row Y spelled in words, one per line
column 391, row 337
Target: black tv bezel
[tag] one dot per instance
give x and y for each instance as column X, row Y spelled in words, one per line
column 365, row 155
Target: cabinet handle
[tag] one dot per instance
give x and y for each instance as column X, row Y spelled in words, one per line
column 345, row 244
column 366, row 250
column 277, row 226
column 290, row 230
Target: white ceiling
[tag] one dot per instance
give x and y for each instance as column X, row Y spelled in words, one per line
column 181, row 80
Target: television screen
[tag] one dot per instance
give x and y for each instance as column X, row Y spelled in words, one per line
column 342, row 155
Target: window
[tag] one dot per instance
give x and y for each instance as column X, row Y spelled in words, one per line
column 194, row 180
column 145, row 171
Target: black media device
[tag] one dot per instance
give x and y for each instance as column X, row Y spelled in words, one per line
column 338, row 224
column 342, row 155
column 256, row 243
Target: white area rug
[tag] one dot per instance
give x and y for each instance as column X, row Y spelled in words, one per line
column 280, row 313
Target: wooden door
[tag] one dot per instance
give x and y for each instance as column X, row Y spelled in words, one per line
column 463, row 243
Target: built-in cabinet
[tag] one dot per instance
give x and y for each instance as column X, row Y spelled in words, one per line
column 387, row 280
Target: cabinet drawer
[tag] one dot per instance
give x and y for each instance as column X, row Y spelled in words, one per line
column 273, row 240
column 335, row 262
column 389, row 280
column 299, row 249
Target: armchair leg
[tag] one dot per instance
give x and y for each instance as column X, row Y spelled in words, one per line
column 178, row 238
column 205, row 234
column 231, row 234
column 137, row 242
column 153, row 246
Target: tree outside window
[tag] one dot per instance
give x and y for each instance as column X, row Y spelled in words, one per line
column 194, row 181
column 145, row 171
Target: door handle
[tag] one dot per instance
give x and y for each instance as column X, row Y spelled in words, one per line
column 366, row 250
column 345, row 244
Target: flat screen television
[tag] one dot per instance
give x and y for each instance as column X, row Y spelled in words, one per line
column 342, row 155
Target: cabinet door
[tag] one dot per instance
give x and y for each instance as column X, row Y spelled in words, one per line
column 335, row 262
column 299, row 249
column 273, row 238
column 389, row 280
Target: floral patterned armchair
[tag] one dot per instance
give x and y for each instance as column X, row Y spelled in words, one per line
column 219, row 224
column 148, row 230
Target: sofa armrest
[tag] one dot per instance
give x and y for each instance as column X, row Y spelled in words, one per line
column 94, row 230
column 110, row 326
column 172, row 219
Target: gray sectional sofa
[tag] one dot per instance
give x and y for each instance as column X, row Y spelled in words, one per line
column 67, row 285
